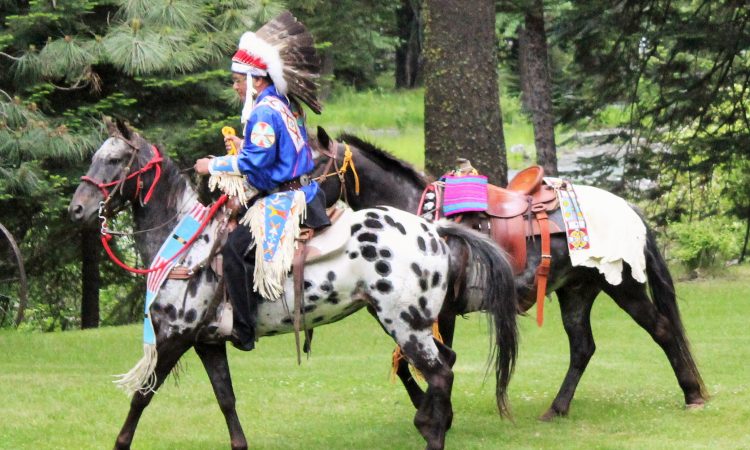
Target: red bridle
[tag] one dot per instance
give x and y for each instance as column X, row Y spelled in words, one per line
column 154, row 162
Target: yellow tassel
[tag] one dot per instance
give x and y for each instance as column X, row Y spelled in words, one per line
column 395, row 359
column 349, row 161
column 398, row 356
column 231, row 184
column 436, row 332
column 415, row 373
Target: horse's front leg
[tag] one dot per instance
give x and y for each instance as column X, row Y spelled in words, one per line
column 168, row 353
column 214, row 358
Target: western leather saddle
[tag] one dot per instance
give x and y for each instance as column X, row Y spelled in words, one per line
column 517, row 213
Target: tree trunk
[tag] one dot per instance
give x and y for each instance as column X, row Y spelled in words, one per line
column 462, row 100
column 409, row 51
column 747, row 236
column 523, row 68
column 536, row 85
column 90, row 253
column 326, row 75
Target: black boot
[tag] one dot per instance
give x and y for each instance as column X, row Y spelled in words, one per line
column 239, row 265
column 245, row 322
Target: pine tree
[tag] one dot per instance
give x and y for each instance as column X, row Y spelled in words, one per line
column 682, row 71
column 356, row 39
column 161, row 64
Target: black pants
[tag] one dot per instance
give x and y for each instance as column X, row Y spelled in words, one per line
column 239, row 266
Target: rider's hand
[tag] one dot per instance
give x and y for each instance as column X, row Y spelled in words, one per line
column 228, row 140
column 201, row 166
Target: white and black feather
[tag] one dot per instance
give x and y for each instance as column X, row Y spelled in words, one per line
column 301, row 64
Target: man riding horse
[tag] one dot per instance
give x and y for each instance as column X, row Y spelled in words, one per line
column 272, row 69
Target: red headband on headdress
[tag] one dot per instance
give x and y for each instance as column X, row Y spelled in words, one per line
column 243, row 57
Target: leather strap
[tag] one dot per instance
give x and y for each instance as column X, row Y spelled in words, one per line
column 293, row 185
column 330, row 152
column 298, row 274
column 180, row 273
column 543, row 269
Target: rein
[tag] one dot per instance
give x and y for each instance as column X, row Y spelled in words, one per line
column 106, row 237
column 104, row 228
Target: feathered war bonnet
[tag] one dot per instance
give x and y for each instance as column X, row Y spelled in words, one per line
column 284, row 50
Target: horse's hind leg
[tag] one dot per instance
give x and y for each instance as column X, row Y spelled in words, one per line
column 631, row 296
column 446, row 324
column 415, row 392
column 169, row 352
column 214, row 359
column 431, row 358
column 575, row 305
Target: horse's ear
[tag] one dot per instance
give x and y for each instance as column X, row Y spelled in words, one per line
column 124, row 128
column 111, row 127
column 324, row 139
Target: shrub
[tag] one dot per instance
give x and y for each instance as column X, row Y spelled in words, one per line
column 706, row 243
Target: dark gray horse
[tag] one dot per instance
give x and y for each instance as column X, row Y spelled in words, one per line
column 386, row 180
column 401, row 267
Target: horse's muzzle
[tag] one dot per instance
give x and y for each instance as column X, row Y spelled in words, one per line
column 80, row 212
column 75, row 211
column 84, row 206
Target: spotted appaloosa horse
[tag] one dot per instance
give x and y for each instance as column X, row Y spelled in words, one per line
column 399, row 266
column 386, row 180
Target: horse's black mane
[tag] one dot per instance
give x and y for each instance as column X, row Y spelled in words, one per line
column 386, row 160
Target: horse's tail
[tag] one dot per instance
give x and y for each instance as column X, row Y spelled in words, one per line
column 663, row 294
column 485, row 266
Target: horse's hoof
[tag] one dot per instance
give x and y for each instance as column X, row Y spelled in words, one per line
column 239, row 444
column 122, row 444
column 549, row 415
column 696, row 406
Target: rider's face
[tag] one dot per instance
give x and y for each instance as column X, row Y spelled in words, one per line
column 239, row 84
column 259, row 84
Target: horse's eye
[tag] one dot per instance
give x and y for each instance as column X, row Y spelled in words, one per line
column 114, row 161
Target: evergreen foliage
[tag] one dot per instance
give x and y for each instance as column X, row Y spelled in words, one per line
column 161, row 64
column 682, row 70
column 357, row 39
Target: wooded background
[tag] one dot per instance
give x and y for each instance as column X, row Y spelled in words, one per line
column 670, row 80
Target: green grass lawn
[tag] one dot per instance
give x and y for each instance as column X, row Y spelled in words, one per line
column 57, row 393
